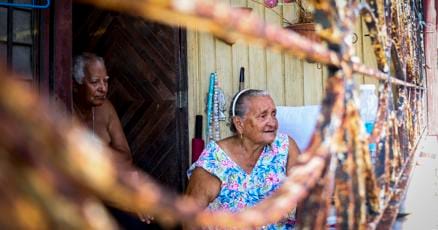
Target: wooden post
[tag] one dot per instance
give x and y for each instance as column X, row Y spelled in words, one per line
column 431, row 66
column 62, row 54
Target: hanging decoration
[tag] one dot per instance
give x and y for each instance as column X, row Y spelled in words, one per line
column 215, row 124
column 209, row 111
column 222, row 103
column 215, row 108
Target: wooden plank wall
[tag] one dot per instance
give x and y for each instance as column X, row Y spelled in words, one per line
column 291, row 82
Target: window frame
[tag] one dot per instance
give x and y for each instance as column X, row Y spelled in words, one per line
column 34, row 77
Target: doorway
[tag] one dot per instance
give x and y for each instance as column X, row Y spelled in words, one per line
column 148, row 82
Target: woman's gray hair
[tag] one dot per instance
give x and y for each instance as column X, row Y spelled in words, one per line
column 238, row 107
column 79, row 64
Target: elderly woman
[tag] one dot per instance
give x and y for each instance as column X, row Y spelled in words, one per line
column 241, row 170
column 92, row 107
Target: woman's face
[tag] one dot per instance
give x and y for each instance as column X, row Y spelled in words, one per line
column 260, row 122
column 95, row 83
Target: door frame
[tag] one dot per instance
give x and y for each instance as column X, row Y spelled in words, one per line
column 182, row 120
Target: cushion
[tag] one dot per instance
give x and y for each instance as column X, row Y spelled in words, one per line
column 298, row 122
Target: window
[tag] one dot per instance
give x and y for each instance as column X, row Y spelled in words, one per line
column 17, row 40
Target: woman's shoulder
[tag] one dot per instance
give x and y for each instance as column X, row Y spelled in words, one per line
column 281, row 143
column 216, row 152
column 282, row 138
column 211, row 160
column 226, row 143
column 210, row 151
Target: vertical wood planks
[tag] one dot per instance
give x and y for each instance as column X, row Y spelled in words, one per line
column 294, row 82
column 224, row 74
column 324, row 73
column 224, row 69
column 312, row 84
column 293, row 68
column 207, row 64
column 193, row 79
column 239, row 56
column 358, row 48
column 257, row 56
column 275, row 62
column 369, row 58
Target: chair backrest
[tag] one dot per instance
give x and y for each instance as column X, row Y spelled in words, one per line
column 298, row 122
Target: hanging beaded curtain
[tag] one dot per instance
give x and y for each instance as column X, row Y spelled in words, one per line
column 334, row 170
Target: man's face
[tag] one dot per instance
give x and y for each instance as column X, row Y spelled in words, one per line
column 260, row 121
column 95, row 83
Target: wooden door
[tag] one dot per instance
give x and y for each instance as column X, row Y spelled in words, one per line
column 146, row 64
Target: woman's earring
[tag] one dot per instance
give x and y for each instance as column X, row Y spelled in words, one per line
column 241, row 136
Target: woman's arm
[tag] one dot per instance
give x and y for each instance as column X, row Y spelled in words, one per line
column 203, row 187
column 294, row 151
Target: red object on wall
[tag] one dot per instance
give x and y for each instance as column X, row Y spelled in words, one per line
column 197, row 147
column 197, row 142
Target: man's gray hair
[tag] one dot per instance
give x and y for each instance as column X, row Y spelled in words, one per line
column 79, row 64
column 238, row 107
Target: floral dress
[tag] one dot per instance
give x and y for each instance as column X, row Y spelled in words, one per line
column 240, row 189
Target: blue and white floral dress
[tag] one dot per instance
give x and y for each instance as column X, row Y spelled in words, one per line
column 240, row 189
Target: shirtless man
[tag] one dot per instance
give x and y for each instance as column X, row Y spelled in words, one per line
column 92, row 107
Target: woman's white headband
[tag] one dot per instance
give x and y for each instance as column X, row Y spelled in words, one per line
column 233, row 108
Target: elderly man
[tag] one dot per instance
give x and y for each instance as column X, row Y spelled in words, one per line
column 92, row 107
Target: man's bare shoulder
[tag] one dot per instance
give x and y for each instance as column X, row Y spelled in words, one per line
column 106, row 107
column 106, row 110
